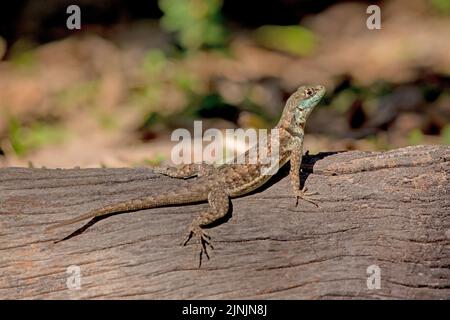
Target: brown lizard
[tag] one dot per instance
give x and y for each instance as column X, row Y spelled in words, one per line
column 218, row 185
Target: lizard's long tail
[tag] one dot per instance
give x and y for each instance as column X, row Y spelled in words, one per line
column 137, row 204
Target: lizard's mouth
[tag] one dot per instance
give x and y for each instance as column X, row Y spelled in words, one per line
column 316, row 94
column 319, row 93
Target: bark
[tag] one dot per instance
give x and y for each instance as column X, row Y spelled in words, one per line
column 387, row 212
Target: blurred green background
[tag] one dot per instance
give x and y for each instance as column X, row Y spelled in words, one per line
column 111, row 93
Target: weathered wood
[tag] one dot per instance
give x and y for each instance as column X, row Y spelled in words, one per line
column 387, row 209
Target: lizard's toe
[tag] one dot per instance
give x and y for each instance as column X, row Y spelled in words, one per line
column 204, row 241
column 304, row 195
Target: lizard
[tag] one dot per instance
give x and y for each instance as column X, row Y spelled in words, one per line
column 217, row 185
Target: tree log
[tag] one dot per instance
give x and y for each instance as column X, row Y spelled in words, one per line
column 382, row 216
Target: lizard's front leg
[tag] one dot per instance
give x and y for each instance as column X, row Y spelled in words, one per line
column 219, row 203
column 296, row 163
column 186, row 171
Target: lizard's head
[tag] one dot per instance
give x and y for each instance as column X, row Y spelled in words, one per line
column 300, row 104
column 307, row 97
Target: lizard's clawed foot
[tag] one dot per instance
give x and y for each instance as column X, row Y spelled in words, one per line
column 304, row 195
column 204, row 241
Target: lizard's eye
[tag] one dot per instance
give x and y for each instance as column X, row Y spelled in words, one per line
column 308, row 93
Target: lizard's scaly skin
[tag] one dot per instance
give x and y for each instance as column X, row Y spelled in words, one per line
column 217, row 185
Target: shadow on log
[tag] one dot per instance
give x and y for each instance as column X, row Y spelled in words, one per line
column 382, row 216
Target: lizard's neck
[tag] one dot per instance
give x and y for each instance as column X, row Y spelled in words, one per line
column 294, row 123
column 295, row 131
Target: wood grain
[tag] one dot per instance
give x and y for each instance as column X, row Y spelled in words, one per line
column 388, row 209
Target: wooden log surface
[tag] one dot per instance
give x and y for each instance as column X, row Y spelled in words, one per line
column 389, row 210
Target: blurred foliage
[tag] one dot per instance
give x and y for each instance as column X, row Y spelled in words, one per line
column 343, row 100
column 159, row 69
column 149, row 92
column 23, row 60
column 155, row 161
column 295, row 40
column 160, row 74
column 379, row 142
column 22, row 54
column 106, row 120
column 152, row 119
column 197, row 23
column 415, row 137
column 442, row 6
column 154, row 62
column 78, row 95
column 24, row 139
column 445, row 133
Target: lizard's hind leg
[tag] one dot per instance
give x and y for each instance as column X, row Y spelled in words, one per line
column 186, row 171
column 219, row 203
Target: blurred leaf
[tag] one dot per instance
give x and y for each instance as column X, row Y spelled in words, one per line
column 415, row 137
column 295, row 40
column 152, row 119
column 106, row 120
column 379, row 142
column 445, row 134
column 80, row 94
column 26, row 138
column 197, row 23
column 22, row 54
column 154, row 62
column 186, row 81
column 343, row 101
column 442, row 6
column 155, row 161
column 149, row 92
column 24, row 60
